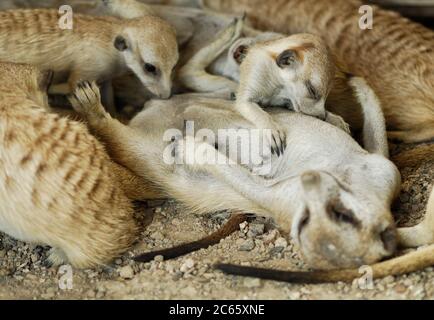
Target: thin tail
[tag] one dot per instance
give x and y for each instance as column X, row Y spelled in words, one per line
column 374, row 123
column 410, row 262
column 230, row 227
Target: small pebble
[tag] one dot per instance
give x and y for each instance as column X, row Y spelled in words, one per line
column 187, row 266
column 157, row 235
column 281, row 242
column 248, row 245
column 126, row 272
column 252, row 282
column 255, row 230
column 400, row 288
column 271, row 236
column 159, row 258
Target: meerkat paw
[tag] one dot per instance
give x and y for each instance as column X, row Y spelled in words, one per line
column 338, row 122
column 275, row 141
column 86, row 100
column 55, row 258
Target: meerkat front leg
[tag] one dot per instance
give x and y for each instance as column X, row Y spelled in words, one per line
column 208, row 158
column 193, row 74
column 125, row 145
column 256, row 189
column 337, row 121
column 262, row 120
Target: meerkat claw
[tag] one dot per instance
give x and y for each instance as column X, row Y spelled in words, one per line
column 86, row 100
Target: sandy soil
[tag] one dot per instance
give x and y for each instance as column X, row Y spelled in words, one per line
column 24, row 276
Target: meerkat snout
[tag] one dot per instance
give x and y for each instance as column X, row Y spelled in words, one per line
column 150, row 53
column 336, row 229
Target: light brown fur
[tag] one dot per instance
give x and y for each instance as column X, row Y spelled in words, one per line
column 88, row 51
column 58, row 186
column 419, row 235
column 396, row 56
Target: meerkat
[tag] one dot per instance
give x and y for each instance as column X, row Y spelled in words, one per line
column 419, row 235
column 58, row 186
column 332, row 196
column 96, row 48
column 395, row 56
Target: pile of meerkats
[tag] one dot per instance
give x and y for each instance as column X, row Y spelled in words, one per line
column 68, row 177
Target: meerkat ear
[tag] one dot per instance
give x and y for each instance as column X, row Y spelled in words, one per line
column 121, row 43
column 286, row 59
column 310, row 180
column 240, row 53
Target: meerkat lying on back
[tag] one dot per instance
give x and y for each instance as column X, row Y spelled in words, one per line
column 332, row 196
column 58, row 186
column 97, row 48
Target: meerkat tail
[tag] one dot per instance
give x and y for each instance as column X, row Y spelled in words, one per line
column 230, row 227
column 408, row 263
column 374, row 124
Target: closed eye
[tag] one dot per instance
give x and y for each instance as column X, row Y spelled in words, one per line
column 339, row 213
column 313, row 93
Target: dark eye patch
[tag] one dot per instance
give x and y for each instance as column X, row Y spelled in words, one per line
column 340, row 214
column 286, row 59
column 313, row 93
column 150, row 68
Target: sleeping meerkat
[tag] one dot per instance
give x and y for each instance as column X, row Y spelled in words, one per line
column 332, row 196
column 215, row 68
column 58, row 186
column 396, row 56
column 421, row 234
column 295, row 72
column 97, row 48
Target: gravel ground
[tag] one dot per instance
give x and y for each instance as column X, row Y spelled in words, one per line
column 24, row 276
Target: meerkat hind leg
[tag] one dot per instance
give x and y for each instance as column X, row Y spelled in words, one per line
column 193, row 74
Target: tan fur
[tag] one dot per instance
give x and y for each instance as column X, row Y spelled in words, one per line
column 58, row 186
column 326, row 174
column 396, row 56
column 419, row 235
column 87, row 51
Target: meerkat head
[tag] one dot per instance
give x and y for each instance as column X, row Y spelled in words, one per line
column 239, row 49
column 336, row 228
column 150, row 50
column 295, row 72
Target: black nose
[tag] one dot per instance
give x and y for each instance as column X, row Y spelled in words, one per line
column 288, row 104
column 388, row 237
